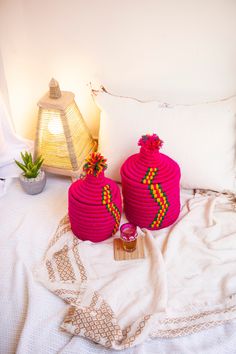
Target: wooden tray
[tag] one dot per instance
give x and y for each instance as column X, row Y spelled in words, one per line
column 121, row 255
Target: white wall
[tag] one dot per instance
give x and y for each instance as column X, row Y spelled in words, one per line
column 176, row 50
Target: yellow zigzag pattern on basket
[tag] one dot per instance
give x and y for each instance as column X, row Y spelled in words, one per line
column 157, row 194
column 149, row 176
column 111, row 207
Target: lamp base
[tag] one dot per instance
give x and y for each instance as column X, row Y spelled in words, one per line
column 74, row 174
column 63, row 172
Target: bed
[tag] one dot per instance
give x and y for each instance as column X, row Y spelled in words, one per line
column 31, row 314
column 192, row 300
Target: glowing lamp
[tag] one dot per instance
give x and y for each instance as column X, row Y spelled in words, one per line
column 62, row 137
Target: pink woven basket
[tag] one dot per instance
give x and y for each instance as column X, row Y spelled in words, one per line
column 94, row 203
column 151, row 186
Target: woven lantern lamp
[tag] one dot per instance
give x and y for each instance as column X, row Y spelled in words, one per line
column 62, row 137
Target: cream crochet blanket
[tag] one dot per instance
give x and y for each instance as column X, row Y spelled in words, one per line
column 186, row 283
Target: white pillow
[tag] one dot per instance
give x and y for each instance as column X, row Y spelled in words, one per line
column 201, row 138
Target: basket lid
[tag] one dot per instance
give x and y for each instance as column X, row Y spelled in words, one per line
column 150, row 165
column 94, row 188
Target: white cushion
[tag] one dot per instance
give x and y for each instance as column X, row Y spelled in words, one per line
column 201, row 138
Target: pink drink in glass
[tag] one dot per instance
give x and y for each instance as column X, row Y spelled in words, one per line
column 128, row 235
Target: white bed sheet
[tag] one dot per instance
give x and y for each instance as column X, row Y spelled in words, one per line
column 31, row 315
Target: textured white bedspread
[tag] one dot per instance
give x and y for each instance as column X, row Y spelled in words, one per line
column 30, row 315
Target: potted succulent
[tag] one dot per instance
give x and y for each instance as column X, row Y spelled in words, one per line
column 32, row 179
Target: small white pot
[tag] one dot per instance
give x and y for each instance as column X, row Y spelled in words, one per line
column 33, row 185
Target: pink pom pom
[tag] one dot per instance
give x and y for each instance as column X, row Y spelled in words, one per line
column 150, row 142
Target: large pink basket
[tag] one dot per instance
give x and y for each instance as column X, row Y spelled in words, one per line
column 151, row 186
column 94, row 205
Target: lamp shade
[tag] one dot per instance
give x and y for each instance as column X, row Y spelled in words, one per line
column 62, row 137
